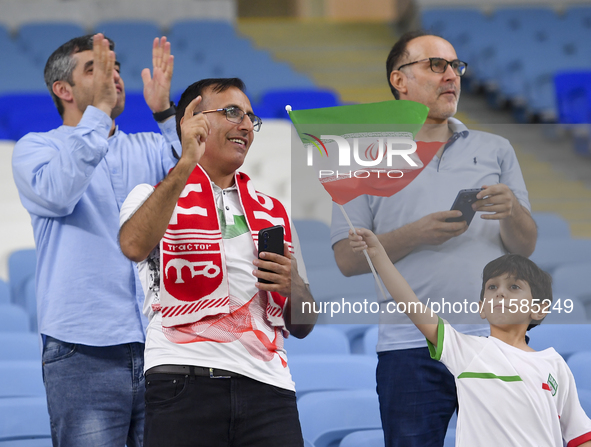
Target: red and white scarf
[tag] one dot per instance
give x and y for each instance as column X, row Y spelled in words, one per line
column 194, row 279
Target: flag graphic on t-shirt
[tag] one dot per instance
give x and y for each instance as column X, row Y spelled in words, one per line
column 552, row 384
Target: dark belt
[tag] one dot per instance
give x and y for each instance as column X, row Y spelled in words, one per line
column 186, row 370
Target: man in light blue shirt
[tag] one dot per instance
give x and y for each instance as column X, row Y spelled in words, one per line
column 73, row 181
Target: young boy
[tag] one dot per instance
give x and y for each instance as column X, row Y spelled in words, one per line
column 508, row 394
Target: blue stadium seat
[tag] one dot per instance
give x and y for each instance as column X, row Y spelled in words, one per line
column 551, row 226
column 329, row 284
column 13, row 318
column 565, row 339
column 21, row 265
column 512, row 18
column 580, row 365
column 21, row 378
column 31, row 442
column 24, row 418
column 137, row 116
column 133, row 47
column 327, row 417
column 229, row 55
column 23, row 75
column 20, row 346
column 187, row 72
column 4, row 292
column 543, row 63
column 355, row 334
column 578, row 17
column 573, row 96
column 573, row 280
column 585, row 399
column 41, row 39
column 449, row 22
column 311, row 230
column 450, row 438
column 326, row 372
column 274, row 101
column 322, row 340
column 216, row 59
column 30, row 301
column 314, row 237
column 4, row 34
column 364, row 438
column 566, row 309
column 370, row 341
column 552, row 253
column 184, row 33
column 16, row 110
column 262, row 76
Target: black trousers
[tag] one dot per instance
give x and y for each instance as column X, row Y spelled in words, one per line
column 195, row 411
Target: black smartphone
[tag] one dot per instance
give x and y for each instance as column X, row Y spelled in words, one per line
column 463, row 203
column 270, row 240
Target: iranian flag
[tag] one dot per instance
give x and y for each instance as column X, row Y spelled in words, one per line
column 364, row 148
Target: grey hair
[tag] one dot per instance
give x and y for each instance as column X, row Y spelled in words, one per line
column 61, row 64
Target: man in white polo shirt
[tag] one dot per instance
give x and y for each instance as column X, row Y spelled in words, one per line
column 439, row 259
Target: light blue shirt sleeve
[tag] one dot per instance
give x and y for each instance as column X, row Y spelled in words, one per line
column 52, row 177
column 171, row 138
column 73, row 181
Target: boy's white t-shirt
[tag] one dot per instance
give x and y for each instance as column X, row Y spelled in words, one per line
column 510, row 397
column 245, row 342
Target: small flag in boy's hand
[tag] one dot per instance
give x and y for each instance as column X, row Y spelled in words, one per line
column 364, row 148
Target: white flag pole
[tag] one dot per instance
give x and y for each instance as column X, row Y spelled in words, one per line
column 373, row 270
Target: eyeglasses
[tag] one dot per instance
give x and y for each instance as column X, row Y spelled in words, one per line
column 236, row 115
column 439, row 65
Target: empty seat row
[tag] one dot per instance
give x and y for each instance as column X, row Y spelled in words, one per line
column 516, row 52
column 202, row 48
column 16, row 108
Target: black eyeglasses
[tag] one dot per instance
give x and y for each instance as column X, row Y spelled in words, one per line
column 236, row 115
column 439, row 65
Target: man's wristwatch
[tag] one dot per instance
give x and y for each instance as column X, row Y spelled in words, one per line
column 161, row 116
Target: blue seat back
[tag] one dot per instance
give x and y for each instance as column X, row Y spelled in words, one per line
column 274, row 101
column 573, row 96
column 21, row 265
column 13, row 318
column 21, row 378
column 325, row 372
column 327, row 417
column 580, row 365
column 322, row 340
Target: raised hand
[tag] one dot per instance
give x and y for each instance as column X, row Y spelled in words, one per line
column 105, row 91
column 194, row 131
column 157, row 86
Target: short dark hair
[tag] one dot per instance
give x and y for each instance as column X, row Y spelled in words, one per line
column 399, row 51
column 218, row 85
column 61, row 64
column 540, row 282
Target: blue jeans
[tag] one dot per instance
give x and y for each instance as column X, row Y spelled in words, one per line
column 417, row 398
column 95, row 395
column 194, row 411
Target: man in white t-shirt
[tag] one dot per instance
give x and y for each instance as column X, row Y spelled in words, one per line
column 216, row 368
